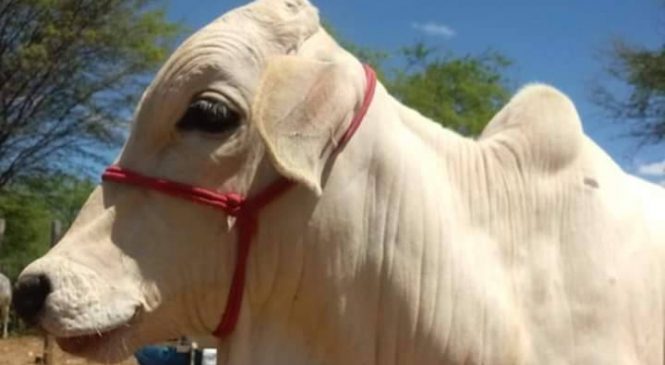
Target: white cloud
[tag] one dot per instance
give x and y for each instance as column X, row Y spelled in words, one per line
column 435, row 29
column 652, row 169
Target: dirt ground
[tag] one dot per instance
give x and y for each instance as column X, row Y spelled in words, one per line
column 28, row 351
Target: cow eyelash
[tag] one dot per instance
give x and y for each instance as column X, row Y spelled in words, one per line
column 209, row 116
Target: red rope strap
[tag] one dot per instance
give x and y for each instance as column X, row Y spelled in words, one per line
column 245, row 209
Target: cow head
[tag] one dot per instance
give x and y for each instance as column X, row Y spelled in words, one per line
column 260, row 93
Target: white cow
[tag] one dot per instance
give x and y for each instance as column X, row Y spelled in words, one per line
column 5, row 302
column 413, row 245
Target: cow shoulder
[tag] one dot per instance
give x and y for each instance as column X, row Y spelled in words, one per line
column 540, row 127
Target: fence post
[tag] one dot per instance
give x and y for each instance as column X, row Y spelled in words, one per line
column 5, row 319
column 3, row 226
column 47, row 359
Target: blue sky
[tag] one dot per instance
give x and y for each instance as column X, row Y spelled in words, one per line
column 560, row 42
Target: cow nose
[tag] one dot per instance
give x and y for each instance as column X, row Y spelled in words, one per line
column 29, row 295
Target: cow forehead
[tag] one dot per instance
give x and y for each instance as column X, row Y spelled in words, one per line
column 222, row 52
column 226, row 56
column 246, row 35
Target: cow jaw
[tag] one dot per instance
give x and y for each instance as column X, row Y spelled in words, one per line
column 85, row 312
column 90, row 307
column 107, row 297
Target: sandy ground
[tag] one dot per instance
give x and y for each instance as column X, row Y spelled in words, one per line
column 28, row 350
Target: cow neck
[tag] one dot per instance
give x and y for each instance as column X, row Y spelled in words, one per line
column 245, row 209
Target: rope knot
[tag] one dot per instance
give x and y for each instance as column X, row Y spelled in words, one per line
column 234, row 204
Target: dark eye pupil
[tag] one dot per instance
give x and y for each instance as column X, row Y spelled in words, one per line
column 209, row 116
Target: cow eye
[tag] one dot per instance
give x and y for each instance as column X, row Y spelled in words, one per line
column 209, row 116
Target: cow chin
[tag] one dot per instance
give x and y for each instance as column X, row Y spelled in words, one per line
column 89, row 315
column 103, row 332
column 105, row 347
column 119, row 340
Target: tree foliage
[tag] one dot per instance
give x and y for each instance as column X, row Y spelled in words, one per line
column 643, row 107
column 70, row 71
column 27, row 233
column 29, row 208
column 462, row 93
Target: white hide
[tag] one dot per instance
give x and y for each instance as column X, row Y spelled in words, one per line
column 414, row 245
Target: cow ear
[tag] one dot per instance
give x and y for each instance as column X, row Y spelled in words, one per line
column 302, row 109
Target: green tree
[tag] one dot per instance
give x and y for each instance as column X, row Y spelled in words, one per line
column 642, row 70
column 62, row 195
column 27, row 233
column 70, row 71
column 29, row 208
column 462, row 93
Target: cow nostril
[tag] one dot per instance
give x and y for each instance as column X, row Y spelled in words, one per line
column 30, row 293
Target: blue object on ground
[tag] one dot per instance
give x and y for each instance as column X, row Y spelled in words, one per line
column 161, row 355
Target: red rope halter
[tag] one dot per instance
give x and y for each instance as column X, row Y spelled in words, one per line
column 246, row 210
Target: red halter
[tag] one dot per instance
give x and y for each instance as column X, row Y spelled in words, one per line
column 246, row 210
